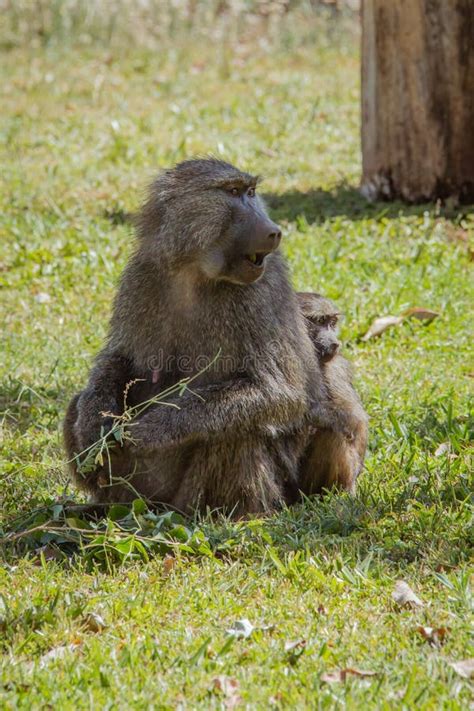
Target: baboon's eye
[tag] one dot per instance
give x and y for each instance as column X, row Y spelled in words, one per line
column 234, row 191
column 251, row 192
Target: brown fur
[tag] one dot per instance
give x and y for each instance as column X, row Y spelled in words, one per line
column 332, row 459
column 188, row 292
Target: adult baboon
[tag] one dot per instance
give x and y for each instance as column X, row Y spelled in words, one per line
column 206, row 277
column 331, row 458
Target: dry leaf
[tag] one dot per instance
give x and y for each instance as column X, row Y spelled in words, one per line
column 94, row 622
column 169, row 561
column 456, row 234
column 230, row 688
column 442, row 449
column 340, row 675
column 380, row 325
column 420, row 313
column 42, row 298
column 276, row 698
column 269, row 152
column 465, row 668
column 47, row 552
column 404, row 595
column 295, row 644
column 241, row 628
column 57, row 653
column 433, row 635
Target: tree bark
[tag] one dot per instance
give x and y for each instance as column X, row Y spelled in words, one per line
column 418, row 99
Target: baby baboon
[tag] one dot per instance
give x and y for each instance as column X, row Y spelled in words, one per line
column 332, row 459
column 321, row 318
column 206, row 278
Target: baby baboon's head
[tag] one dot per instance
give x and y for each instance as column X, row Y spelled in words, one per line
column 322, row 317
column 205, row 213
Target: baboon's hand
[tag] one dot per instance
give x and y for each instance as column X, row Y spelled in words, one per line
column 104, row 394
column 323, row 415
column 91, row 429
column 118, row 464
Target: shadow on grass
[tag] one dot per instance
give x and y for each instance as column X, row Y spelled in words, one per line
column 412, row 506
column 318, row 205
column 333, row 530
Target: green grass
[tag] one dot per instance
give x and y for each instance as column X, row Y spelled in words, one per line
column 82, row 131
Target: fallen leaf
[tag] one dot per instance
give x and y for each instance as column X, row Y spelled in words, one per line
column 340, row 675
column 404, row 595
column 169, row 561
column 380, row 325
column 420, row 313
column 56, row 653
column 230, row 688
column 434, row 635
column 456, row 234
column 241, row 628
column 47, row 552
column 294, row 650
column 465, row 668
column 442, row 449
column 295, row 644
column 244, row 628
column 94, row 622
column 276, row 698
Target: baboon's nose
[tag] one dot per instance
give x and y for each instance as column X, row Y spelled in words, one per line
column 267, row 235
column 330, row 351
column 274, row 238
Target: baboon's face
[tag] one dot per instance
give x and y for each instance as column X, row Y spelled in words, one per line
column 219, row 222
column 324, row 331
column 241, row 236
column 322, row 319
column 247, row 239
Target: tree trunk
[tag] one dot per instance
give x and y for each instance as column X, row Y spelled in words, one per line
column 418, row 99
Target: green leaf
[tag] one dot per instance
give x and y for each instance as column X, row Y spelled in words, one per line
column 273, row 555
column 74, row 522
column 180, row 533
column 118, row 512
column 139, row 506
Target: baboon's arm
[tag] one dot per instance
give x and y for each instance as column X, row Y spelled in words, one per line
column 240, row 407
column 325, row 414
column 104, row 393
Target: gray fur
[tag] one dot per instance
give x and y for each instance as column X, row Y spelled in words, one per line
column 188, row 292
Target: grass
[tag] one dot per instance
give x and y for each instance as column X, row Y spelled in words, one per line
column 84, row 125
